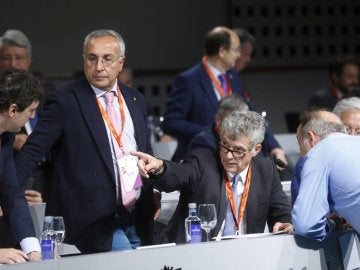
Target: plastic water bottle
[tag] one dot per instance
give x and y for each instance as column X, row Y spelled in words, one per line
column 192, row 226
column 47, row 244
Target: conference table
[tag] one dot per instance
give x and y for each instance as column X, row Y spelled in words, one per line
column 340, row 250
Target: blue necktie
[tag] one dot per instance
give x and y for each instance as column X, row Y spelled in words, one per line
column 230, row 226
column 224, row 82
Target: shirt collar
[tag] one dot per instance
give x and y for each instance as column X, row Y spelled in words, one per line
column 216, row 72
column 242, row 174
column 99, row 93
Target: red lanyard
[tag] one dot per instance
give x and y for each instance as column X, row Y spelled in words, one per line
column 104, row 114
column 244, row 197
column 215, row 81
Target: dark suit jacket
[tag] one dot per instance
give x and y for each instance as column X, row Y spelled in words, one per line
column 192, row 105
column 83, row 187
column 323, row 98
column 12, row 198
column 200, row 180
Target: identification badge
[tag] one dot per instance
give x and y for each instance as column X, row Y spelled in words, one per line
column 129, row 172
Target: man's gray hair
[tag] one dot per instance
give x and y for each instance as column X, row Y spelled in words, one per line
column 347, row 104
column 14, row 37
column 102, row 33
column 313, row 121
column 231, row 103
column 244, row 124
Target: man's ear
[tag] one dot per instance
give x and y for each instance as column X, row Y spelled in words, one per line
column 256, row 150
column 13, row 108
column 313, row 138
column 221, row 52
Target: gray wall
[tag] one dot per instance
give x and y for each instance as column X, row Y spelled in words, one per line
column 160, row 34
column 295, row 40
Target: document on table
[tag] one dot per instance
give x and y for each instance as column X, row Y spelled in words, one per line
column 247, row 236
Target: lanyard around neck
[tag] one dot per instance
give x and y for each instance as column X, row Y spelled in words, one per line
column 216, row 81
column 244, row 197
column 104, row 114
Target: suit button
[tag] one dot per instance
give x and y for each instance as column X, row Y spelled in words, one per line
column 93, row 173
column 91, row 199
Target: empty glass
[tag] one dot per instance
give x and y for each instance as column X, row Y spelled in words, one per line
column 208, row 217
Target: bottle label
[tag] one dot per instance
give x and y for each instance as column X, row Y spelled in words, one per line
column 47, row 249
column 195, row 233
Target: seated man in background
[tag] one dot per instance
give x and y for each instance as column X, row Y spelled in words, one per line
column 348, row 109
column 244, row 186
column 20, row 93
column 210, row 137
column 344, row 82
column 330, row 178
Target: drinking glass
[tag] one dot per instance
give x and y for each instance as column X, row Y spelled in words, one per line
column 59, row 228
column 208, row 217
column 54, row 227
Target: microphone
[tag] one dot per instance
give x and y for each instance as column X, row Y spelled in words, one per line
column 282, row 165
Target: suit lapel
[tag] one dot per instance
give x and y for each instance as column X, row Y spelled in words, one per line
column 222, row 203
column 92, row 116
column 232, row 81
column 207, row 87
column 251, row 205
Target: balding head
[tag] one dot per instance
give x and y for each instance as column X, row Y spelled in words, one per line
column 220, row 37
column 316, row 125
column 222, row 48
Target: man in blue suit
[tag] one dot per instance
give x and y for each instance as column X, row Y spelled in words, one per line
column 89, row 153
column 196, row 92
column 20, row 93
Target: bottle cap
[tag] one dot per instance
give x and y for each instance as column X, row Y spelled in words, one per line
column 192, row 205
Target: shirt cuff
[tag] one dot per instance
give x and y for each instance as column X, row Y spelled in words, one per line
column 30, row 244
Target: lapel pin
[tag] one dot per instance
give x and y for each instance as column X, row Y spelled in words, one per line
column 134, row 98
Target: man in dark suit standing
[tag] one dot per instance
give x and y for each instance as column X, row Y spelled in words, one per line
column 193, row 101
column 244, row 186
column 89, row 127
column 20, row 93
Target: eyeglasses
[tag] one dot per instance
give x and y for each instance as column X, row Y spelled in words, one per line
column 107, row 61
column 235, row 153
column 16, row 58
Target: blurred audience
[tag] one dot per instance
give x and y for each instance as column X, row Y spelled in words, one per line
column 344, row 82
